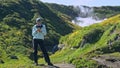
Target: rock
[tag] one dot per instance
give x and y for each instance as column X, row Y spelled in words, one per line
column 13, row 57
column 31, row 56
column 61, row 46
column 102, row 66
column 1, row 61
column 55, row 48
column 111, row 60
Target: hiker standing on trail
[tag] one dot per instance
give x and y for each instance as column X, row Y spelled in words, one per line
column 38, row 33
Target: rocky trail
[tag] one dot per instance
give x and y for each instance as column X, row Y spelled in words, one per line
column 107, row 61
column 57, row 66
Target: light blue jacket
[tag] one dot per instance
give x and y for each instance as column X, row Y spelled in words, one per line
column 39, row 35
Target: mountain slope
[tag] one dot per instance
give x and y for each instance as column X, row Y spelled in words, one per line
column 106, row 11
column 92, row 41
column 16, row 20
column 68, row 10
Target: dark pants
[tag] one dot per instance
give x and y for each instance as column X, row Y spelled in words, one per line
column 39, row 42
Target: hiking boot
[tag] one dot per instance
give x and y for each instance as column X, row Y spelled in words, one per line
column 50, row 64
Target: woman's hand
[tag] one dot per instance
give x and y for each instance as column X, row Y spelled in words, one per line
column 38, row 30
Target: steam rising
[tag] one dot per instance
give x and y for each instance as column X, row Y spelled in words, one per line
column 86, row 16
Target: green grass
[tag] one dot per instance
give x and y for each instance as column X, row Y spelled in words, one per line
column 22, row 62
column 59, row 57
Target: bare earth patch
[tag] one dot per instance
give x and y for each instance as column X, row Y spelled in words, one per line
column 60, row 66
column 108, row 61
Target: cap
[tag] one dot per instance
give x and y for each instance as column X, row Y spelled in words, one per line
column 38, row 19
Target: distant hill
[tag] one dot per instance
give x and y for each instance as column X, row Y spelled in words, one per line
column 67, row 10
column 106, row 11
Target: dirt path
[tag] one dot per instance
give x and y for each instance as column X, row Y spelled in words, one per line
column 108, row 61
column 65, row 65
column 57, row 66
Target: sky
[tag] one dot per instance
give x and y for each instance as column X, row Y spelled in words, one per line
column 90, row 3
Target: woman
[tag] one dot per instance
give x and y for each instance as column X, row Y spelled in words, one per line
column 38, row 33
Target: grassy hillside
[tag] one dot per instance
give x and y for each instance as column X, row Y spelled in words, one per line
column 106, row 11
column 89, row 42
column 70, row 12
column 17, row 18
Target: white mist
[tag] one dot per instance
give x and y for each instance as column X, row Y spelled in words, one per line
column 86, row 16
